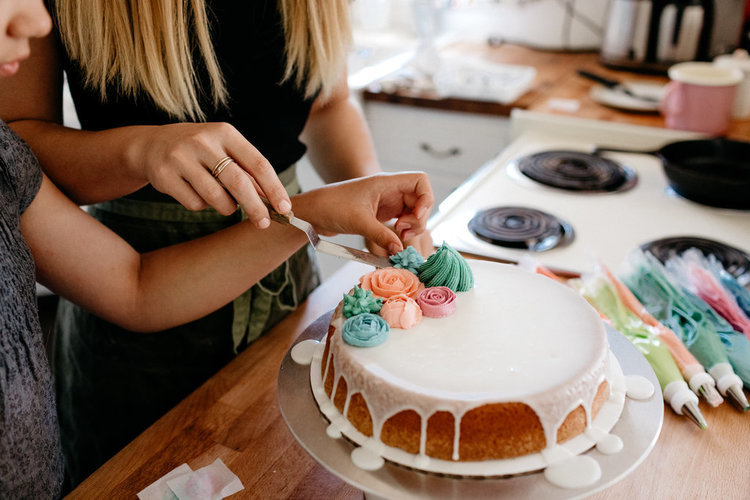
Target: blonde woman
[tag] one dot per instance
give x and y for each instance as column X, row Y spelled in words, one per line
column 188, row 109
column 45, row 236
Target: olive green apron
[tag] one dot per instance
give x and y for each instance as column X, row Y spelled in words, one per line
column 112, row 383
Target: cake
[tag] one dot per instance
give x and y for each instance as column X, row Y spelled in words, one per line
column 520, row 366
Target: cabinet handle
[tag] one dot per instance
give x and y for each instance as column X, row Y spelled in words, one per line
column 454, row 151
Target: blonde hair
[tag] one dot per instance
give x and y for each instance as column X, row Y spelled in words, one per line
column 144, row 46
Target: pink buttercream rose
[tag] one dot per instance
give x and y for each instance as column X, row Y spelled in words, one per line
column 389, row 281
column 437, row 301
column 401, row 311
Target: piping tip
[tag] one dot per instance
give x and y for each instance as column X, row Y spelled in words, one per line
column 690, row 408
column 738, row 397
column 708, row 391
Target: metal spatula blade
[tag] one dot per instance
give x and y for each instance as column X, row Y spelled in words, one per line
column 324, row 246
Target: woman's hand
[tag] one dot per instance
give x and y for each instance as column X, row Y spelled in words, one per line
column 364, row 205
column 181, row 160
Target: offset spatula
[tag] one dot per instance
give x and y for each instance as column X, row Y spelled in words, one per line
column 324, row 246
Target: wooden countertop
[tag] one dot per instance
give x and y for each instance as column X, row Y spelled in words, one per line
column 235, row 415
column 556, row 79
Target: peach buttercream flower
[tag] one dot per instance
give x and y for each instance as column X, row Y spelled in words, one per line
column 401, row 311
column 389, row 281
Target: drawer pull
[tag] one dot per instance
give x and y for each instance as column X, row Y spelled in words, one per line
column 454, row 151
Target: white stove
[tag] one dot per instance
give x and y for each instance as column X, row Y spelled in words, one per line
column 605, row 226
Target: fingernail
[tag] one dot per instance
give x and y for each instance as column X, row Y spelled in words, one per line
column 264, row 223
column 285, row 207
column 393, row 248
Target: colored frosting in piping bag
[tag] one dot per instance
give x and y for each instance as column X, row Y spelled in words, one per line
column 690, row 367
column 689, row 269
column 708, row 336
column 601, row 294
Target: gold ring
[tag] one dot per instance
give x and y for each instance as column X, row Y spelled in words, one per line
column 221, row 165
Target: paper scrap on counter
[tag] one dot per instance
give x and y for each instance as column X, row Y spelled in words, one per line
column 159, row 490
column 212, row 482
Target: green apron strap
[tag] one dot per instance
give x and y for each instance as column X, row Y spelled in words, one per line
column 253, row 308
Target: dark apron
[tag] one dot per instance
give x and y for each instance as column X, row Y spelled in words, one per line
column 113, row 383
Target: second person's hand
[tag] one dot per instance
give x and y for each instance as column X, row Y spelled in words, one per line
column 209, row 164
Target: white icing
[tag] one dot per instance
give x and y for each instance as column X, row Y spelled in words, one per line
column 574, row 472
column 303, row 352
column 609, row 444
column 367, row 459
column 606, row 419
column 333, row 430
column 638, row 387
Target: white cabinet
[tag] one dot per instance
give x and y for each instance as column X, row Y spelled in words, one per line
column 448, row 145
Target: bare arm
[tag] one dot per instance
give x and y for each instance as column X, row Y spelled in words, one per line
column 340, row 147
column 96, row 166
column 338, row 139
column 81, row 259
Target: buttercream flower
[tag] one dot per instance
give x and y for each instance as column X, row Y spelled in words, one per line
column 437, row 301
column 409, row 258
column 388, row 281
column 401, row 311
column 365, row 330
column 360, row 301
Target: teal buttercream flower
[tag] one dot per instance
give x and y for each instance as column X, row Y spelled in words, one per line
column 360, row 302
column 408, row 258
column 365, row 330
column 446, row 267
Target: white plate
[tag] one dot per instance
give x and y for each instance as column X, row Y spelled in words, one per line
column 619, row 100
column 638, row 427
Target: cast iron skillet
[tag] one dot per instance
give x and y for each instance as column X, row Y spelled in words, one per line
column 713, row 172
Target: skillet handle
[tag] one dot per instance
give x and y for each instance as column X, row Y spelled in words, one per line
column 604, row 149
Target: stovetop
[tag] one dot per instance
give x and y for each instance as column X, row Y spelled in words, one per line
column 606, row 225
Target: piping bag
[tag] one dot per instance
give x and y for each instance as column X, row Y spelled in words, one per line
column 692, row 271
column 695, row 323
column 699, row 381
column 601, row 293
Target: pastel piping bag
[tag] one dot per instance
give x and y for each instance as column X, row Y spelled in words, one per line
column 694, row 323
column 601, row 294
column 692, row 271
column 699, row 381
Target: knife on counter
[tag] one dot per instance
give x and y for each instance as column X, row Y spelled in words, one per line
column 325, row 246
column 617, row 86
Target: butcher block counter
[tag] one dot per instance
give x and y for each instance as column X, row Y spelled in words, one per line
column 235, row 415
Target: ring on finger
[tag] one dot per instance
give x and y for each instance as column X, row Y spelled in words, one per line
column 221, row 165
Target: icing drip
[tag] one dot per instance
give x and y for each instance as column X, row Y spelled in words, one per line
column 365, row 330
column 437, row 301
column 446, row 267
column 574, row 472
column 390, row 281
column 361, row 301
column 638, row 387
column 401, row 311
column 367, row 459
column 409, row 259
column 303, row 352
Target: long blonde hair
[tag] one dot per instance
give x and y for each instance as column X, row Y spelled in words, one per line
column 144, row 46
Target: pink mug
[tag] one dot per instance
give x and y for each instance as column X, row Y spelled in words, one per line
column 699, row 97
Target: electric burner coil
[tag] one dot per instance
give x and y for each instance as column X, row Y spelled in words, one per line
column 577, row 171
column 522, row 228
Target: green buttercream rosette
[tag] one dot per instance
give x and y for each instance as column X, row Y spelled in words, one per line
column 365, row 330
column 360, row 302
column 409, row 259
column 447, row 267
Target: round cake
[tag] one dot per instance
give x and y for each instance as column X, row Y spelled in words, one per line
column 520, row 366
